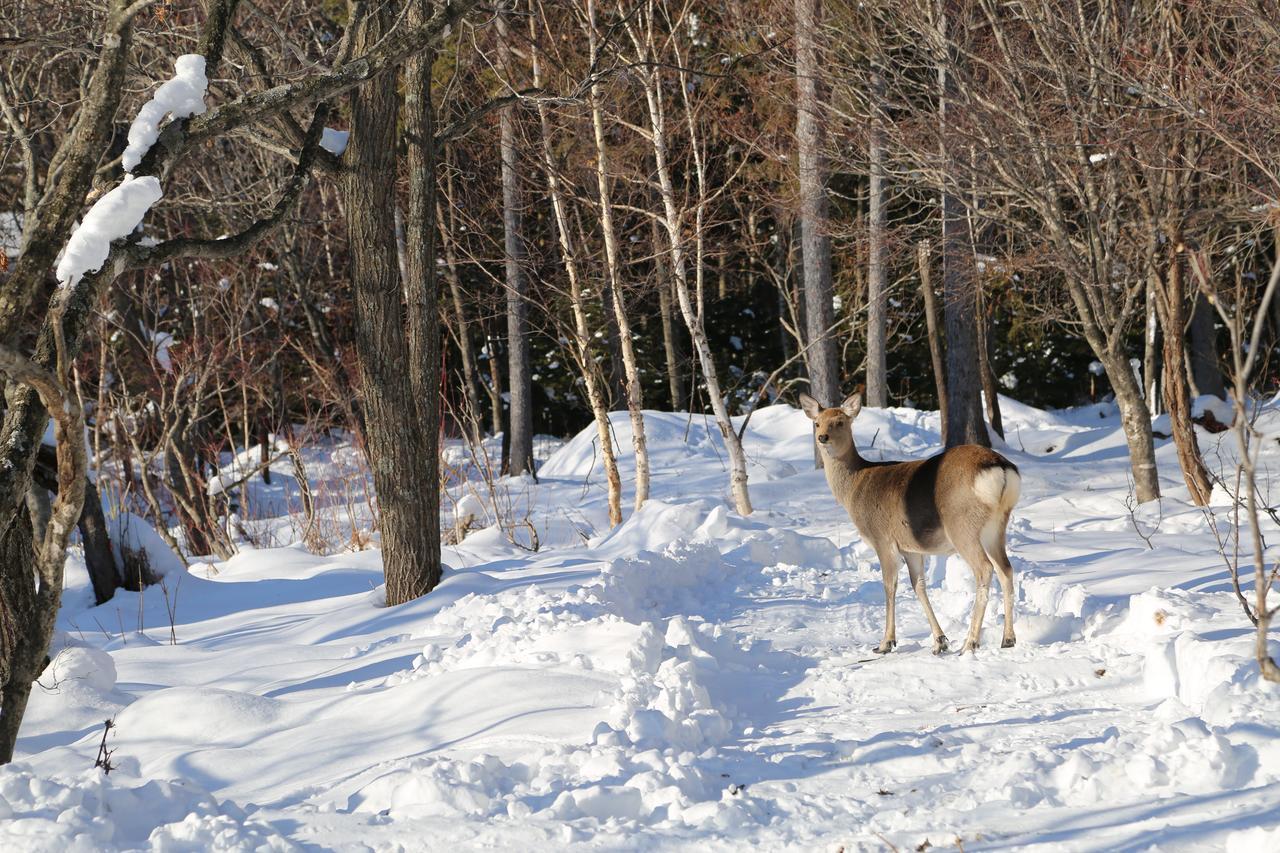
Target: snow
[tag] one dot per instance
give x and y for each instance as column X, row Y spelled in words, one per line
column 691, row 678
column 334, row 141
column 182, row 96
column 114, row 216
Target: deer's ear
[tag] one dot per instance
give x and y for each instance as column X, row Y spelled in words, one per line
column 852, row 404
column 810, row 406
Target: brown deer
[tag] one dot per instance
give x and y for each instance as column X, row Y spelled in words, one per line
column 955, row 502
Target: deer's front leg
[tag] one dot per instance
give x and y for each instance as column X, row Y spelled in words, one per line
column 889, row 574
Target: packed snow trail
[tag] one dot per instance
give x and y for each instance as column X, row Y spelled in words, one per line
column 690, row 678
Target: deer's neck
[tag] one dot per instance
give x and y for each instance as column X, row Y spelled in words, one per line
column 843, row 470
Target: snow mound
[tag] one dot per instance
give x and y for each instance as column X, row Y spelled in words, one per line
column 95, row 812
column 83, row 665
column 136, row 534
column 198, row 716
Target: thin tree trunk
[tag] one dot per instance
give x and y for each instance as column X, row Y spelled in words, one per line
column 823, row 353
column 520, row 420
column 877, row 384
column 1151, row 353
column 634, row 396
column 990, row 390
column 617, row 384
column 581, row 329
column 931, row 325
column 396, row 441
column 494, row 389
column 670, row 343
column 470, row 368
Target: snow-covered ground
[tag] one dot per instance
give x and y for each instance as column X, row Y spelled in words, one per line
column 691, row 678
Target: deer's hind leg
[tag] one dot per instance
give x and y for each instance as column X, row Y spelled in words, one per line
column 915, row 570
column 993, row 536
column 968, row 544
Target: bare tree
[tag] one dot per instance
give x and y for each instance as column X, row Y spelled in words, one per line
column 587, row 366
column 642, row 31
column 634, row 395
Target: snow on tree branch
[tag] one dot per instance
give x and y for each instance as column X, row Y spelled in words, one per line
column 112, row 217
column 182, row 96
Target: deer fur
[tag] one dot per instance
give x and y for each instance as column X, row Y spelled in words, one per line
column 955, row 502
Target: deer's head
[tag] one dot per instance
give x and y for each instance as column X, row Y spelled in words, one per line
column 833, row 427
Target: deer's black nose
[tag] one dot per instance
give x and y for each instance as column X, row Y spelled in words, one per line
column 822, row 438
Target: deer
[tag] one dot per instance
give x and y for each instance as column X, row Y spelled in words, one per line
column 957, row 501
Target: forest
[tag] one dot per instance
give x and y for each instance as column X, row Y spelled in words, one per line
column 452, row 291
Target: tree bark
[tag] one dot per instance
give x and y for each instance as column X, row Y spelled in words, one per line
column 877, row 284
column 935, row 336
column 823, row 354
column 396, row 440
column 519, row 372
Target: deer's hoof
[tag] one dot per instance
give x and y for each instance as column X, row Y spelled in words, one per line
column 969, row 646
column 1008, row 642
column 886, row 647
column 941, row 645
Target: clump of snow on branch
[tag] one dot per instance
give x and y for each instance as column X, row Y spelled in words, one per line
column 112, row 217
column 182, row 96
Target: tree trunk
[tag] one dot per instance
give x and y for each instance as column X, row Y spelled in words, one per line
column 1135, row 418
column 422, row 573
column 1172, row 304
column 470, row 367
column 823, row 354
column 935, row 337
column 965, row 423
column 22, row 657
column 1151, row 354
column 494, row 390
column 877, row 284
column 1206, row 375
column 670, row 343
column 990, row 390
column 396, row 440
column 617, row 385
column 519, row 381
column 613, row 257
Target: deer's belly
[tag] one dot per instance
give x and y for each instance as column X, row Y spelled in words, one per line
column 923, row 538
